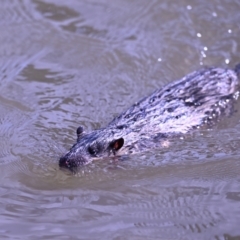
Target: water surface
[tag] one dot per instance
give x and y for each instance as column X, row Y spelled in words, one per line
column 70, row 63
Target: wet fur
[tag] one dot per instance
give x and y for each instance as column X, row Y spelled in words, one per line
column 198, row 99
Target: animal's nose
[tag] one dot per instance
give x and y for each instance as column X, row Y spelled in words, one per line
column 63, row 162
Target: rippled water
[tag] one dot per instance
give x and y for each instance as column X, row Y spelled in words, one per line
column 70, row 63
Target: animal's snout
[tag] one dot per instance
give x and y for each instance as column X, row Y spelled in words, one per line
column 64, row 162
column 71, row 162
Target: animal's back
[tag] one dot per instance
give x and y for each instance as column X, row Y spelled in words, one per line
column 192, row 101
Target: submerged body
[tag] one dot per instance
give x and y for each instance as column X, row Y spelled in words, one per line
column 196, row 100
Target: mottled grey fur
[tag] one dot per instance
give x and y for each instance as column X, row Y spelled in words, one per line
column 191, row 102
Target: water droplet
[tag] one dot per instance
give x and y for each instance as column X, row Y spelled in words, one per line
column 205, row 48
column 229, row 30
column 159, row 59
column 199, row 35
column 227, row 61
column 189, row 7
column 214, row 14
column 203, row 54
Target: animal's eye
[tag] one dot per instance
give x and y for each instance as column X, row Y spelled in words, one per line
column 92, row 151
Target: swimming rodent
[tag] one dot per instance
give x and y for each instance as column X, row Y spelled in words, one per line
column 198, row 99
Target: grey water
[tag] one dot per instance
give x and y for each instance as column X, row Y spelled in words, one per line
column 82, row 62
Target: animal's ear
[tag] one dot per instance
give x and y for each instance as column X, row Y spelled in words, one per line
column 80, row 132
column 115, row 145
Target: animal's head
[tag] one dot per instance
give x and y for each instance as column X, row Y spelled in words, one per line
column 91, row 146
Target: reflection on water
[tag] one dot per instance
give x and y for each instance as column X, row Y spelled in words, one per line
column 68, row 63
